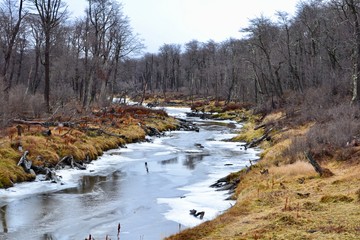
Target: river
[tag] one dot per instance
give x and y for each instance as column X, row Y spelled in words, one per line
column 117, row 188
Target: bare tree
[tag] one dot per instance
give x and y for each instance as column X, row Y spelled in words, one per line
column 11, row 17
column 51, row 13
column 37, row 40
column 354, row 11
column 264, row 34
column 110, row 39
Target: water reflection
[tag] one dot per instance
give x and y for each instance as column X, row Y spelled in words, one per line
column 47, row 236
column 169, row 161
column 89, row 184
column 122, row 192
column 3, row 218
column 192, row 159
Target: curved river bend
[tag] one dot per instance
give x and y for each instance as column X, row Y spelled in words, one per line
column 117, row 188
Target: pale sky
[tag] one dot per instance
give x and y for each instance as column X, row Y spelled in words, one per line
column 180, row 21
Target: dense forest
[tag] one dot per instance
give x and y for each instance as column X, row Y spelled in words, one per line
column 49, row 61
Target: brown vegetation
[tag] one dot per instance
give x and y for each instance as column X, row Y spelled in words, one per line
column 295, row 72
column 282, row 196
column 85, row 138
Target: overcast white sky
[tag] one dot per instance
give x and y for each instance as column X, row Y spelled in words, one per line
column 180, row 21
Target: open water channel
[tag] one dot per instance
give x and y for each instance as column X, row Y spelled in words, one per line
column 117, row 188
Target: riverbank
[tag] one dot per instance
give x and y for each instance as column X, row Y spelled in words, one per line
column 282, row 196
column 84, row 138
column 117, row 188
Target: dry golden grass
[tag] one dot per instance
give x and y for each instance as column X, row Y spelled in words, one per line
column 273, row 117
column 78, row 142
column 299, row 168
column 291, row 201
column 248, row 133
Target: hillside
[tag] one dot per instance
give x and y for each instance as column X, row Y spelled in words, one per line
column 282, row 196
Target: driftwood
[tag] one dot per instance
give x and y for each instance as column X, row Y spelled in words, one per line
column 220, row 182
column 260, row 126
column 25, row 163
column 223, row 184
column 196, row 213
column 69, row 161
column 187, row 126
column 256, row 141
column 51, row 176
column 29, row 168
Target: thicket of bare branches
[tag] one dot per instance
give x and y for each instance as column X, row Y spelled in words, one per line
column 318, row 48
column 309, row 60
column 42, row 53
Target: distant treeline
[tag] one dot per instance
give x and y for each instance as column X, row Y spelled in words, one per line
column 48, row 60
column 319, row 47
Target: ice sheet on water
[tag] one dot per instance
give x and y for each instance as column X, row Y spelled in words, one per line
column 177, row 112
column 193, row 151
column 70, row 177
column 197, row 197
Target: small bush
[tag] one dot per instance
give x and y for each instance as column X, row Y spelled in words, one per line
column 337, row 132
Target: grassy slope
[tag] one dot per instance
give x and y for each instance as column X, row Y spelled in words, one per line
column 292, row 201
column 77, row 141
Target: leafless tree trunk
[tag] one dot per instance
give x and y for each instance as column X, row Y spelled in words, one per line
column 51, row 13
column 9, row 40
column 354, row 11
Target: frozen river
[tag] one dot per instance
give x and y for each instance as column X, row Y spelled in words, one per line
column 117, row 188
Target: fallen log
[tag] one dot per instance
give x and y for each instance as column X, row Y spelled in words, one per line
column 69, row 161
column 260, row 126
column 323, row 172
column 314, row 163
column 256, row 141
column 44, row 123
